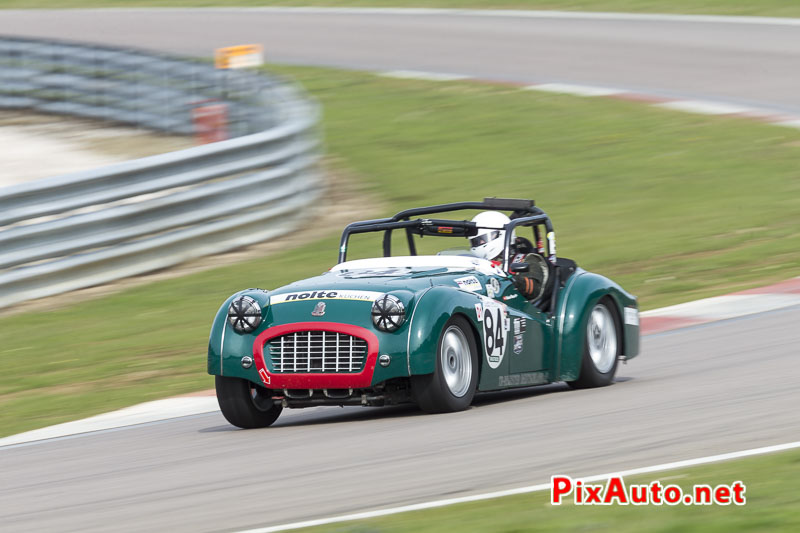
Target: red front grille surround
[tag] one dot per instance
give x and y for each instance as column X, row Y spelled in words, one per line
column 298, row 380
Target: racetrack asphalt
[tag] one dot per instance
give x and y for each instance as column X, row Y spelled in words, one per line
column 696, row 391
column 748, row 64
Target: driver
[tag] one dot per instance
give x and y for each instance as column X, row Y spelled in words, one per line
column 489, row 242
column 491, row 237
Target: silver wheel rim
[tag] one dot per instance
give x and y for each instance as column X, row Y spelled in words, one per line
column 601, row 333
column 456, row 361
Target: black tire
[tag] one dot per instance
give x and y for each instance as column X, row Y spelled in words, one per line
column 431, row 391
column 245, row 404
column 590, row 375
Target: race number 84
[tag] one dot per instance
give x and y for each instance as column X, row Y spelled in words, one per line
column 494, row 335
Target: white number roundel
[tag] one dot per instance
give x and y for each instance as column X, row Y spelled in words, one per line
column 494, row 332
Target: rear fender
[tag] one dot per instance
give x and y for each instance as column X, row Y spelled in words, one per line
column 582, row 292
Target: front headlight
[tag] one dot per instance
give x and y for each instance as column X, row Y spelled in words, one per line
column 244, row 314
column 388, row 313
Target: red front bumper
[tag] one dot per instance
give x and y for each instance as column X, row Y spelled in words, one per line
column 298, row 380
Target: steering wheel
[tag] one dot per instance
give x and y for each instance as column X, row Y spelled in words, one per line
column 539, row 273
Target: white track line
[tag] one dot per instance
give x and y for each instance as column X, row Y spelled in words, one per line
column 576, row 90
column 142, row 413
column 496, row 13
column 523, row 490
column 705, row 107
column 421, row 75
column 728, row 306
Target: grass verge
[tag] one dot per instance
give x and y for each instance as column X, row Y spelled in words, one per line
column 673, row 206
column 772, row 502
column 775, row 8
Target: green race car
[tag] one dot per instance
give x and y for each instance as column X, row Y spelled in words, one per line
column 428, row 329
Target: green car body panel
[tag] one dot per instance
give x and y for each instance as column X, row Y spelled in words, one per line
column 582, row 291
column 518, row 344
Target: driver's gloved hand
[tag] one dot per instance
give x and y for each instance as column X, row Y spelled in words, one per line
column 525, row 285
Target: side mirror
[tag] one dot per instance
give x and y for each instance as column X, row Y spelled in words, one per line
column 518, row 268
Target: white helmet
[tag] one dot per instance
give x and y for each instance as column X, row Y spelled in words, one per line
column 489, row 241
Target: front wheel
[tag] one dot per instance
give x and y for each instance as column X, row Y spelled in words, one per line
column 452, row 385
column 245, row 404
column 601, row 348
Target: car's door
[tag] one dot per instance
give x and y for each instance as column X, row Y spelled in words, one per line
column 528, row 337
column 528, row 341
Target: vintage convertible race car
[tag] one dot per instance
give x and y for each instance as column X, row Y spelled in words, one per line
column 429, row 329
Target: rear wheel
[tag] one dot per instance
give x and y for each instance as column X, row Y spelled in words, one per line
column 601, row 348
column 452, row 385
column 245, row 404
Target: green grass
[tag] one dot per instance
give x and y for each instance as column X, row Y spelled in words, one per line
column 772, row 505
column 674, row 206
column 777, row 8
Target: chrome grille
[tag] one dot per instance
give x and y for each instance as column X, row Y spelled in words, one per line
column 317, row 352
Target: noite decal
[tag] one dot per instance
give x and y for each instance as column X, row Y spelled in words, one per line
column 325, row 294
column 469, row 284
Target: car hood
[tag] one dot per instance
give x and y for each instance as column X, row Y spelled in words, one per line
column 381, row 275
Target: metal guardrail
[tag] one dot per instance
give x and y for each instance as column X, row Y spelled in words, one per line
column 73, row 231
column 154, row 91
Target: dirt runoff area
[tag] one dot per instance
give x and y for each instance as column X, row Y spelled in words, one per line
column 35, row 146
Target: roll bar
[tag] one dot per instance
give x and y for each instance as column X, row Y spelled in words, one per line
column 523, row 213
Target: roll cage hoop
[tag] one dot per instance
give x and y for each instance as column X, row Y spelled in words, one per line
column 523, row 213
